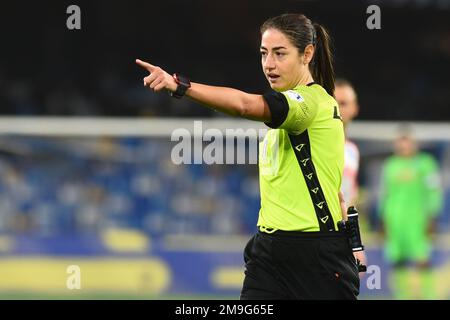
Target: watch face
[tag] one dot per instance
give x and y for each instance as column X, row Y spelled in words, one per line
column 180, row 79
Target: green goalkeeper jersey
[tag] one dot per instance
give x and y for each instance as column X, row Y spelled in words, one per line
column 411, row 190
column 411, row 196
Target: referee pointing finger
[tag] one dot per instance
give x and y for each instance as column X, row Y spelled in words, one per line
column 298, row 252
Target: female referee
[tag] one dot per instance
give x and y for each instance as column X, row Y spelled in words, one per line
column 298, row 252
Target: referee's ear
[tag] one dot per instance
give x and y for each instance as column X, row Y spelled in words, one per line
column 308, row 54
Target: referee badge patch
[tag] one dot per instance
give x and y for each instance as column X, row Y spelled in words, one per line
column 294, row 95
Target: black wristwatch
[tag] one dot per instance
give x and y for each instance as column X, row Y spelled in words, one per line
column 183, row 83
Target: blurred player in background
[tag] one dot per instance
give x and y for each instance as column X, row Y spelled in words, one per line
column 346, row 97
column 410, row 200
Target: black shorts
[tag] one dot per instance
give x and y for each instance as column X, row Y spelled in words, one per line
column 299, row 265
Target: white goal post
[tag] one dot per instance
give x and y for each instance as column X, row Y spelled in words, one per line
column 163, row 127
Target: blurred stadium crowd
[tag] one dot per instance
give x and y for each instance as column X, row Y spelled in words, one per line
column 54, row 186
column 400, row 71
column 60, row 186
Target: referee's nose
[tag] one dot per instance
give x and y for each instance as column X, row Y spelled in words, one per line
column 269, row 63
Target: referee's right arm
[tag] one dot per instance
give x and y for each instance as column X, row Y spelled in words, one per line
column 227, row 100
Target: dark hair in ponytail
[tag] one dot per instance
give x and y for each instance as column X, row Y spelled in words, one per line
column 322, row 64
column 301, row 31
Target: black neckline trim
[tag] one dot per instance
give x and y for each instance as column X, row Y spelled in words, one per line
column 310, row 84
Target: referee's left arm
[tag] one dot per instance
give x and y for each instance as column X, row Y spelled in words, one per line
column 343, row 206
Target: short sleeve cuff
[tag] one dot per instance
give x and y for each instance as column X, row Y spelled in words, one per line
column 278, row 107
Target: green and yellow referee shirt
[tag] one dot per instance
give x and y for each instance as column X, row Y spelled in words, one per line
column 299, row 189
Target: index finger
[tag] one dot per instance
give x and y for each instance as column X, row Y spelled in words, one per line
column 145, row 65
